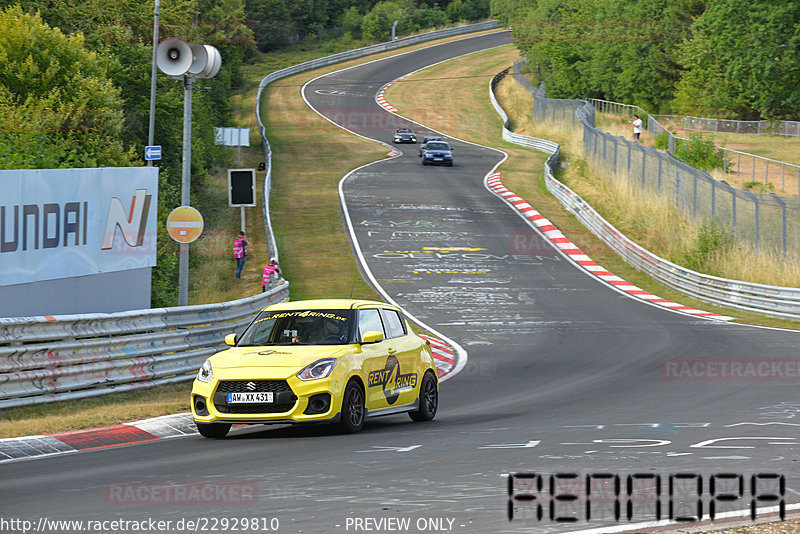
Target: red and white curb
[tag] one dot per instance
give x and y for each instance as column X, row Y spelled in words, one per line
column 168, row 426
column 443, row 355
column 554, row 235
column 380, row 98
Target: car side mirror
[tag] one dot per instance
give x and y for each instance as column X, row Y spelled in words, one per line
column 230, row 340
column 371, row 336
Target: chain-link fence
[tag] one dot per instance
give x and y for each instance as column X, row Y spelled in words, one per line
column 766, row 220
column 701, row 124
column 741, row 166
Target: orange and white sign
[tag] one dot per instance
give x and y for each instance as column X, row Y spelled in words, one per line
column 185, row 224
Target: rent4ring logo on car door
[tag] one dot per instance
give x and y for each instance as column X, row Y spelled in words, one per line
column 391, row 380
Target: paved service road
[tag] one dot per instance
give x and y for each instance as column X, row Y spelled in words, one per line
column 564, row 375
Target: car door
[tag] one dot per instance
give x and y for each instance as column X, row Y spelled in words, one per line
column 375, row 357
column 404, row 383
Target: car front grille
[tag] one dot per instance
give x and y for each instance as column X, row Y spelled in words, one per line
column 242, row 386
column 284, row 397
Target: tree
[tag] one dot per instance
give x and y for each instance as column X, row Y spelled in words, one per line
column 377, row 24
column 742, row 59
column 610, row 49
column 351, row 21
column 59, row 107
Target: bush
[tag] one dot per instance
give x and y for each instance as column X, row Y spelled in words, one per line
column 759, row 187
column 699, row 152
column 712, row 238
column 662, row 140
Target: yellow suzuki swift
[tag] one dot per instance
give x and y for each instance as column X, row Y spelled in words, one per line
column 336, row 361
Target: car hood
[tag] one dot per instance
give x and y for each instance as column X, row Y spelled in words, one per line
column 290, row 356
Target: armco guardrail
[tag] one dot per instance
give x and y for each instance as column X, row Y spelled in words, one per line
column 45, row 359
column 332, row 60
column 770, row 300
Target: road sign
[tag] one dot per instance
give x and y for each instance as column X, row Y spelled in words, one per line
column 185, row 224
column 241, row 187
column 232, row 136
column 152, row 152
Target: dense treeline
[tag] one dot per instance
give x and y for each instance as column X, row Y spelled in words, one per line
column 279, row 23
column 75, row 79
column 734, row 58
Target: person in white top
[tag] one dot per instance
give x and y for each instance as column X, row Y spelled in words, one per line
column 637, row 127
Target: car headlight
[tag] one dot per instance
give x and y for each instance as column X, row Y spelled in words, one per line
column 205, row 374
column 318, row 369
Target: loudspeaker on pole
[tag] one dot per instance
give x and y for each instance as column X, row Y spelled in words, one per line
column 174, row 57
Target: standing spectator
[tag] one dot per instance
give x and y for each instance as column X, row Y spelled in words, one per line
column 270, row 268
column 637, row 127
column 240, row 253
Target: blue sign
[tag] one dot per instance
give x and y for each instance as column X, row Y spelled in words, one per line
column 152, row 152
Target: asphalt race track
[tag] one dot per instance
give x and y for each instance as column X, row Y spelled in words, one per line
column 564, row 376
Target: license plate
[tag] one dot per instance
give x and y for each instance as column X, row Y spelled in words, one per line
column 438, row 159
column 252, row 398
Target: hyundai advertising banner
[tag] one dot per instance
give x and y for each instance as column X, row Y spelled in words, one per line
column 62, row 223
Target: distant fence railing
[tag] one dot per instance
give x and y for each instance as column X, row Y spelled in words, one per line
column 45, row 359
column 759, row 168
column 765, row 220
column 701, row 124
column 332, row 60
column 770, row 300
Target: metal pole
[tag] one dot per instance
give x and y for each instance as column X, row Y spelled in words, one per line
column 152, row 127
column 186, row 183
column 239, row 165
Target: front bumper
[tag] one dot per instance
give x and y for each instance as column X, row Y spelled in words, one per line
column 292, row 399
column 437, row 160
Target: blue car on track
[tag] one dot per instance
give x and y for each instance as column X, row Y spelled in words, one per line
column 437, row 153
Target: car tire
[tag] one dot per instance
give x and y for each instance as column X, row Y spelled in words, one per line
column 428, row 400
column 213, row 430
column 424, row 163
column 353, row 409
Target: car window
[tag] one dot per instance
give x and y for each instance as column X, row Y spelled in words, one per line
column 394, row 325
column 369, row 320
column 303, row 327
column 437, row 145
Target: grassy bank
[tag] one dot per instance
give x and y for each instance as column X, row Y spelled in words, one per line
column 655, row 223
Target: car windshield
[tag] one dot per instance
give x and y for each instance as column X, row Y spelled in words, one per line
column 299, row 327
column 437, row 145
column 404, row 130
